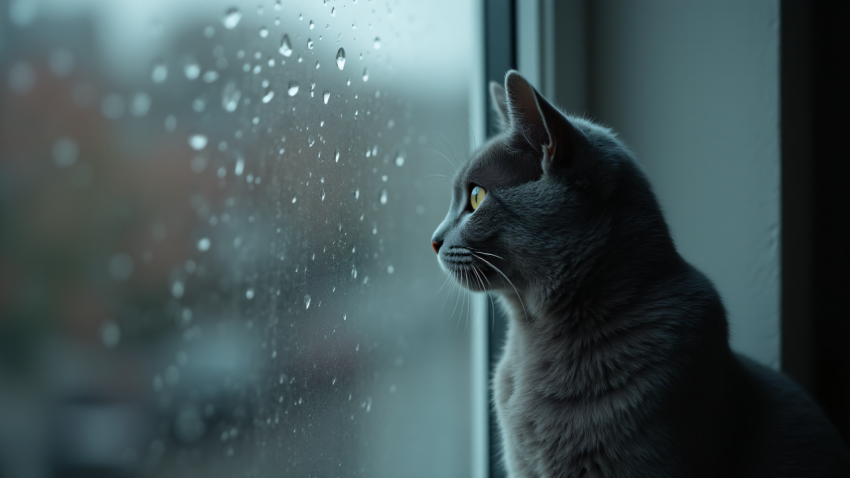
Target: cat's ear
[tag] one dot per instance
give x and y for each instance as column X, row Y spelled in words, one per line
column 500, row 105
column 545, row 128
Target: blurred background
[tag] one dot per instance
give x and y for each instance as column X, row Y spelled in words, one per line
column 214, row 257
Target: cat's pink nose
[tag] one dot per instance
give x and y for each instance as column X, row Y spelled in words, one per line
column 436, row 245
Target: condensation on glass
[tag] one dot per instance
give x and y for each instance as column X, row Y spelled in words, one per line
column 215, row 255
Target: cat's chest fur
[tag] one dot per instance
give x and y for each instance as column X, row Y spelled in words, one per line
column 558, row 420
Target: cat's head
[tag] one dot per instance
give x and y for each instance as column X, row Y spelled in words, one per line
column 536, row 202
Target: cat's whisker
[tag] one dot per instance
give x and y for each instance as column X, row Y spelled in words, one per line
column 468, row 128
column 506, row 278
column 485, row 253
column 436, row 176
column 443, row 155
column 446, row 143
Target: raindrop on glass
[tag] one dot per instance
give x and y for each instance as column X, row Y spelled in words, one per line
column 293, row 88
column 307, row 301
column 377, row 43
column 333, row 11
column 210, row 76
column 365, row 74
column 61, row 62
column 384, row 196
column 336, row 155
column 65, row 152
column 197, row 141
column 120, row 266
column 264, row 32
column 285, row 46
column 310, row 141
column 231, row 18
column 327, row 96
column 230, row 97
column 311, row 25
column 353, row 272
column 177, row 289
column 357, row 193
column 110, row 334
column 323, row 194
column 268, row 96
column 340, row 58
column 204, row 244
column 399, row 160
column 309, row 43
column 192, row 70
column 159, row 72
column 240, row 167
column 249, row 294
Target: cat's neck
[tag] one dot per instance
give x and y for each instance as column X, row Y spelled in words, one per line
column 583, row 343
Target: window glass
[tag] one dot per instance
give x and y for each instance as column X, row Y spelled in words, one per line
column 215, row 252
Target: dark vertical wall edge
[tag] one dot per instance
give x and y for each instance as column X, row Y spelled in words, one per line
column 815, row 98
column 500, row 56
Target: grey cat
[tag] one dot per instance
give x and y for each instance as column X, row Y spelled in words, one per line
column 617, row 361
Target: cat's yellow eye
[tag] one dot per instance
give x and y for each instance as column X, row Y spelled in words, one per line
column 476, row 197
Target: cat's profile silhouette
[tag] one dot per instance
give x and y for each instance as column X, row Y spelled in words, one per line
column 617, row 361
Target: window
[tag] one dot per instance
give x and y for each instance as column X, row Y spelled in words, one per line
column 215, row 256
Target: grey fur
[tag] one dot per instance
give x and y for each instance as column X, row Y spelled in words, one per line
column 617, row 361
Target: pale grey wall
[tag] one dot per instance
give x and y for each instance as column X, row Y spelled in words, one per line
column 693, row 88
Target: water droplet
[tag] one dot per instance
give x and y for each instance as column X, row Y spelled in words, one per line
column 353, row 272
column 317, row 65
column 249, row 294
column 365, row 74
column 197, row 141
column 230, row 97
column 192, row 70
column 309, row 43
column 170, row 123
column 333, row 11
column 285, row 46
column 340, row 58
column 65, row 152
column 210, row 76
column 177, row 289
column 311, row 25
column 323, row 194
column 294, row 198
column 336, row 155
column 368, row 404
column 240, row 167
column 326, row 96
column 390, row 269
column 110, row 334
column 268, row 96
column 277, row 5
column 293, row 88
column 231, row 18
column 120, row 266
column 307, row 301
column 310, row 141
column 264, row 32
column 159, row 72
column 21, row 77
column 357, row 193
column 377, row 43
column 384, row 196
column 61, row 62
column 204, row 244
column 399, row 160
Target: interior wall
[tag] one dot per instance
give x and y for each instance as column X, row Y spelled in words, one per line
column 693, row 89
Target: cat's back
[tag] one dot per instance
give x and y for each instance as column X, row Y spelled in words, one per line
column 782, row 431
